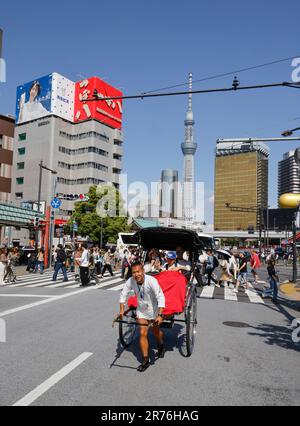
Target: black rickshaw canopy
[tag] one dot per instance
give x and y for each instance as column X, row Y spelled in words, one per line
column 164, row 238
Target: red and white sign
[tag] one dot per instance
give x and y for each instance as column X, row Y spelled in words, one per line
column 107, row 111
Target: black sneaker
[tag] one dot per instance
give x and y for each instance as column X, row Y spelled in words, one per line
column 144, row 365
column 161, row 351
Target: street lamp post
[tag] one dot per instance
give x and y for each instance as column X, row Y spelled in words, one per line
column 41, row 166
column 101, row 233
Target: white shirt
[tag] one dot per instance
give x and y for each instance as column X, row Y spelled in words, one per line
column 84, row 260
column 150, row 296
column 32, row 110
column 185, row 263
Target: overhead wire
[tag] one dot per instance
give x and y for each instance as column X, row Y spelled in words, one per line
column 224, row 74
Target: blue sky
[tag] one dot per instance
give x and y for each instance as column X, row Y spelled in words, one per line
column 138, row 45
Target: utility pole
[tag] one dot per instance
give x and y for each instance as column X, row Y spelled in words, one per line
column 41, row 166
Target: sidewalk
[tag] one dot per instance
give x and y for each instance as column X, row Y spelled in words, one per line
column 290, row 291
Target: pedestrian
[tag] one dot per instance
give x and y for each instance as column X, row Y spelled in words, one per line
column 150, row 305
column 273, row 280
column 12, row 261
column 234, row 266
column 210, row 267
column 108, row 261
column 31, row 261
column 92, row 267
column 242, row 273
column 225, row 276
column 60, row 263
column 84, row 266
column 3, row 263
column 77, row 256
column 40, row 261
column 255, row 265
column 285, row 259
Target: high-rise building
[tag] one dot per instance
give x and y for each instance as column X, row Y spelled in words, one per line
column 241, row 181
column 189, row 148
column 80, row 140
column 7, row 126
column 169, row 194
column 288, row 175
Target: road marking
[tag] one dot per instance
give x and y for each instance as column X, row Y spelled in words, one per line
column 53, row 380
column 118, row 287
column 229, row 294
column 208, row 292
column 27, row 295
column 42, row 302
column 254, row 296
column 116, row 280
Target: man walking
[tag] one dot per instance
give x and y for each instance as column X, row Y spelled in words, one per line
column 84, row 266
column 107, row 260
column 255, row 264
column 151, row 302
column 60, row 263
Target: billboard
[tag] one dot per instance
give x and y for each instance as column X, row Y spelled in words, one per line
column 104, row 110
column 62, row 98
column 55, row 94
column 34, row 99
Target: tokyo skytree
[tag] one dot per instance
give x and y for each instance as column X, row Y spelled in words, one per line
column 189, row 148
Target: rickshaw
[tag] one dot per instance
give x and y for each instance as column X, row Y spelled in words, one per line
column 167, row 239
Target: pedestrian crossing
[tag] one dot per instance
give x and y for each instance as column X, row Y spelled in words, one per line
column 45, row 280
column 116, row 283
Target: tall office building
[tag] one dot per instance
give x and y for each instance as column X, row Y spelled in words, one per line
column 169, row 194
column 241, row 180
column 189, row 148
column 7, row 126
column 80, row 140
column 288, row 175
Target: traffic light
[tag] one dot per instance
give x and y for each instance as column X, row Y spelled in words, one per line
column 36, row 222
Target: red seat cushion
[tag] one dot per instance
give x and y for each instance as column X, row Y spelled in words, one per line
column 173, row 284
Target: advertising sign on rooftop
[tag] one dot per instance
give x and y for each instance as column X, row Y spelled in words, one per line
column 34, row 99
column 55, row 94
column 105, row 110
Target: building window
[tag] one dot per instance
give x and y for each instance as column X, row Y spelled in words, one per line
column 85, row 135
column 19, row 195
column 117, row 157
column 22, row 137
column 117, row 171
column 20, row 181
column 21, row 151
column 21, row 166
column 87, row 165
column 118, row 142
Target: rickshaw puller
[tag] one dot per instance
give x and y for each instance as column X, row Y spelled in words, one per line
column 151, row 302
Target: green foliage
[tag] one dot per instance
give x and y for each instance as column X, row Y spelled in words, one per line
column 104, row 207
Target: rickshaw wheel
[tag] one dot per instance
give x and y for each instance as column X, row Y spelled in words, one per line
column 127, row 329
column 191, row 321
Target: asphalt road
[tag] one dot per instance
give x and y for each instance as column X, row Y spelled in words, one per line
column 66, row 351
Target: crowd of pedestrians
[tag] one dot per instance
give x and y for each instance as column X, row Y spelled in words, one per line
column 91, row 263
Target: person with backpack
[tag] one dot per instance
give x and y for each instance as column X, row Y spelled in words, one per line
column 61, row 259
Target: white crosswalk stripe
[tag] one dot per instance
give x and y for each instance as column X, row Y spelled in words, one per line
column 45, row 280
column 116, row 283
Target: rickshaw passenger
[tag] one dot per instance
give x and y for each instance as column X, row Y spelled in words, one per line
column 153, row 263
column 151, row 302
